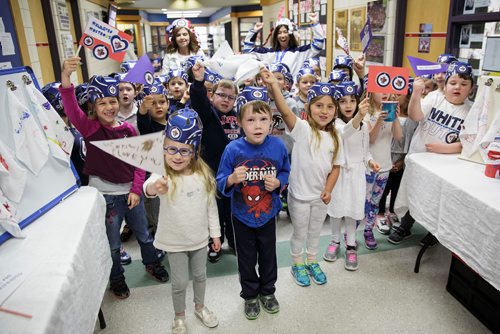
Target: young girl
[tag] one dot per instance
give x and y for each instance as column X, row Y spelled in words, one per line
column 348, row 198
column 306, row 78
column 381, row 135
column 126, row 96
column 120, row 183
column 177, row 85
column 183, row 232
column 316, row 159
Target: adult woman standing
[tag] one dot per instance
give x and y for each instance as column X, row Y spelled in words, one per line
column 285, row 48
column 183, row 44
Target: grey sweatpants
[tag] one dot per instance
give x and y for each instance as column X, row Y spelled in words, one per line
column 180, row 263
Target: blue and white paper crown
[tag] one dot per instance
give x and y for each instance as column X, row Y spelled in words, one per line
column 100, row 87
column 211, row 76
column 81, row 93
column 285, row 22
column 305, row 71
column 278, row 67
column 52, row 94
column 311, row 62
column 127, row 65
column 320, row 89
column 184, row 126
column 338, row 76
column 156, row 88
column 251, row 93
column 345, row 88
column 459, row 67
column 178, row 73
column 343, row 61
column 446, row 58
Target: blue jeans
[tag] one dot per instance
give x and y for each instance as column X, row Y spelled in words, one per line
column 116, row 210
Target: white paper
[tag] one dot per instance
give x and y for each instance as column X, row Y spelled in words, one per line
column 2, row 26
column 7, row 44
column 11, row 279
column 323, row 9
column 5, row 65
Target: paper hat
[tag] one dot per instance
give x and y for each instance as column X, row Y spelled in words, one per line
column 119, row 76
column 100, row 87
column 211, row 76
column 305, row 71
column 127, row 65
column 345, row 88
column 177, row 74
column 162, row 77
column 52, row 94
column 459, row 68
column 426, row 76
column 343, row 61
column 279, row 67
column 310, row 62
column 251, row 93
column 184, row 126
column 81, row 94
column 320, row 89
column 289, row 79
column 446, row 58
column 156, row 88
column 179, row 23
column 190, row 61
column 410, row 85
column 285, row 22
column 338, row 76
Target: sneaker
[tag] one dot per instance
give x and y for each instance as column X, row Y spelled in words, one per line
column 124, row 257
column 394, row 219
column 300, row 275
column 252, row 309
column 160, row 254
column 429, row 240
column 207, row 317
column 179, row 326
column 332, row 251
column 120, row 288
column 213, row 256
column 398, row 235
column 158, row 271
column 317, row 275
column 345, row 241
column 270, row 304
column 351, row 259
column 370, row 241
column 383, row 225
column 126, row 233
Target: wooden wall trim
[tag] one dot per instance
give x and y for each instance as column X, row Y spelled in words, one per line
column 21, row 36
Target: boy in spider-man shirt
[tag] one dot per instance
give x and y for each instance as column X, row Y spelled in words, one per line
column 253, row 170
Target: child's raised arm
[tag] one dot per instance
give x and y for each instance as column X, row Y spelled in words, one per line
column 272, row 85
column 415, row 107
column 69, row 66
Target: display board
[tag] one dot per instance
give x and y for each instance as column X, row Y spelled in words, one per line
column 9, row 47
column 55, row 180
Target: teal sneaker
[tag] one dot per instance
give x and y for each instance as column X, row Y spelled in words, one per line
column 317, row 275
column 300, row 275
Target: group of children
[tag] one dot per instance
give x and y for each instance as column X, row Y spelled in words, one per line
column 230, row 155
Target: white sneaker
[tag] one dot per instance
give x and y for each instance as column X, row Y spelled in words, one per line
column 179, row 326
column 207, row 317
column 394, row 219
column 383, row 225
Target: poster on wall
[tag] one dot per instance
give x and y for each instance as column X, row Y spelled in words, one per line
column 375, row 51
column 63, row 16
column 465, row 36
column 341, row 22
column 377, row 14
column 424, row 39
column 357, row 20
column 469, row 7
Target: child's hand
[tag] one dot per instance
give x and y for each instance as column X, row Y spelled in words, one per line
column 161, row 185
column 70, row 65
column 382, row 116
column 185, row 97
column 364, row 106
column 359, row 66
column 271, row 182
column 198, row 71
column 326, row 196
column 267, row 77
column 146, row 105
column 374, row 166
column 437, row 147
column 216, row 244
column 239, row 175
column 133, row 200
column 398, row 165
column 313, row 17
column 418, row 86
column 258, row 26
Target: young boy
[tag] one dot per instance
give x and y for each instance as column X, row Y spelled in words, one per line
column 439, row 78
column 253, row 171
column 306, row 77
column 126, row 96
column 440, row 120
column 220, row 127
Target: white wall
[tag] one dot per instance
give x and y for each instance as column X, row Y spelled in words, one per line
column 30, row 39
column 270, row 14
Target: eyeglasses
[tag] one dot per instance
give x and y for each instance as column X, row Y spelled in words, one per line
column 172, row 150
column 224, row 96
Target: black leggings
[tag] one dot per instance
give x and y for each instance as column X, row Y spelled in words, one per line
column 392, row 187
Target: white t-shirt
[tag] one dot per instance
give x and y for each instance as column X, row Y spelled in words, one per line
column 381, row 148
column 311, row 163
column 187, row 217
column 174, row 61
column 441, row 123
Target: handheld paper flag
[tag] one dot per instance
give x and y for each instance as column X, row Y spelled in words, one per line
column 386, row 79
column 423, row 67
column 142, row 72
column 342, row 41
column 104, row 40
column 145, row 152
column 366, row 35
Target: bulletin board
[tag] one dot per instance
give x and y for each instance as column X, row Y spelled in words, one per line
column 54, row 182
column 9, row 52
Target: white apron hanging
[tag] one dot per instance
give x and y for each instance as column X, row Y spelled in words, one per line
column 30, row 143
column 8, row 220
column 12, row 175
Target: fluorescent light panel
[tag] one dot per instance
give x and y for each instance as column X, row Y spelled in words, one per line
column 181, row 14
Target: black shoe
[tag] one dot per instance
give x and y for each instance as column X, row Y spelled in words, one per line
column 429, row 240
column 158, row 271
column 398, row 235
column 160, row 254
column 270, row 304
column 252, row 309
column 126, row 233
column 213, row 256
column 120, row 288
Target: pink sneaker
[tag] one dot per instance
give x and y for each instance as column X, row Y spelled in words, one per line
column 351, row 260
column 332, row 251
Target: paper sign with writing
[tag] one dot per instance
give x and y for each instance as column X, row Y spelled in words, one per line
column 387, row 79
column 366, row 35
column 144, row 152
column 423, row 67
column 104, row 40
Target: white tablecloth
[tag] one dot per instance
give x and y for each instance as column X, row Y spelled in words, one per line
column 68, row 259
column 456, row 202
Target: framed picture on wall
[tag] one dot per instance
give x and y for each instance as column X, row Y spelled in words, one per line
column 341, row 23
column 357, row 20
column 377, row 14
column 375, row 51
